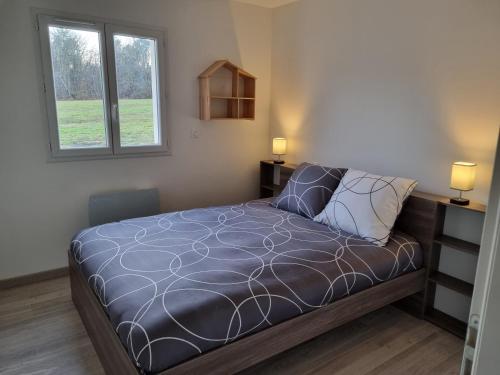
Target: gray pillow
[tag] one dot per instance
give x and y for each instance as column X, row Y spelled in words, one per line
column 309, row 189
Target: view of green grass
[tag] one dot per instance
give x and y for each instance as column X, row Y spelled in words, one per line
column 81, row 123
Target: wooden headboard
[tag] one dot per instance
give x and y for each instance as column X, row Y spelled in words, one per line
column 422, row 217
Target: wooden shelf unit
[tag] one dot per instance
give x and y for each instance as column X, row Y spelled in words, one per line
column 226, row 92
column 436, row 277
column 268, row 170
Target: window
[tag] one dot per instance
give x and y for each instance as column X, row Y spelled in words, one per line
column 104, row 88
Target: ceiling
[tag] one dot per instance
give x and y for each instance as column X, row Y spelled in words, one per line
column 267, row 3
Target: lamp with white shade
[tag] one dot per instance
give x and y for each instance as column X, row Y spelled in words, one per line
column 463, row 176
column 279, row 148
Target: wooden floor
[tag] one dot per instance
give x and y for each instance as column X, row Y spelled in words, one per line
column 41, row 333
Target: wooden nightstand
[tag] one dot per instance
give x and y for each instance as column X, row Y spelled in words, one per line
column 436, row 277
column 273, row 177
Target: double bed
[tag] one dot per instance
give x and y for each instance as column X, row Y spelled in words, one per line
column 218, row 289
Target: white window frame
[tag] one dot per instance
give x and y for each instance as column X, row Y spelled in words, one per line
column 106, row 30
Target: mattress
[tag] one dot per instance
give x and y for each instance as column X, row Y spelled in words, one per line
column 179, row 284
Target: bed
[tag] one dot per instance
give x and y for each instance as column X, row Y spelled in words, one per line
column 219, row 289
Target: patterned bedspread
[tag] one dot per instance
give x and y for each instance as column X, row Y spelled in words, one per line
column 179, row 284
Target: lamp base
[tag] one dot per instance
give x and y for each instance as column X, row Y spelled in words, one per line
column 460, row 201
column 278, row 161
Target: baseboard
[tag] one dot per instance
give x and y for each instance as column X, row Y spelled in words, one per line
column 33, row 278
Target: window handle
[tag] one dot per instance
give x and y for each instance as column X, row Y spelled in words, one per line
column 114, row 112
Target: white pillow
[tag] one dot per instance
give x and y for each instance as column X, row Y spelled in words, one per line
column 366, row 205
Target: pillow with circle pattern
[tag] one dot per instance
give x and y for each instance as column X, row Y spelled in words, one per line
column 309, row 189
column 367, row 205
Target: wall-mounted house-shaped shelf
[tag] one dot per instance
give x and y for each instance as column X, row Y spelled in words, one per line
column 226, row 92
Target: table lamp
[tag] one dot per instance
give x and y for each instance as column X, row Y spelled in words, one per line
column 463, row 175
column 279, row 148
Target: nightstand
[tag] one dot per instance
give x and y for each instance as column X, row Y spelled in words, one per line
column 273, row 177
column 435, row 277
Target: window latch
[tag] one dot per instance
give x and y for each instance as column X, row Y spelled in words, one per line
column 114, row 112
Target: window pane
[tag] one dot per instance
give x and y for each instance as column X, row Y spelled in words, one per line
column 137, row 83
column 78, row 84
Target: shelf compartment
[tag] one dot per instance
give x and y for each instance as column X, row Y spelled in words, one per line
column 221, row 82
column 452, row 283
column 246, row 109
column 246, row 85
column 223, row 108
column 458, row 244
column 446, row 322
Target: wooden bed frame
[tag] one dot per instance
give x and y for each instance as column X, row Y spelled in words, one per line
column 418, row 219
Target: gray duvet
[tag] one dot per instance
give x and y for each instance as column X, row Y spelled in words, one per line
column 179, row 284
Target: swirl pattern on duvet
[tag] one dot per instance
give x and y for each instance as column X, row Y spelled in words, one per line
column 179, row 284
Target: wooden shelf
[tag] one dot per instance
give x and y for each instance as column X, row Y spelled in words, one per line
column 226, row 92
column 452, row 283
column 446, row 322
column 458, row 244
column 473, row 206
column 222, row 97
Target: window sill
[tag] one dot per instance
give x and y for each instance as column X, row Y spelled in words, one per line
column 60, row 159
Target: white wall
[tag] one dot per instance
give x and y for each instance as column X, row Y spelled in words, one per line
column 43, row 204
column 392, row 86
column 398, row 87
